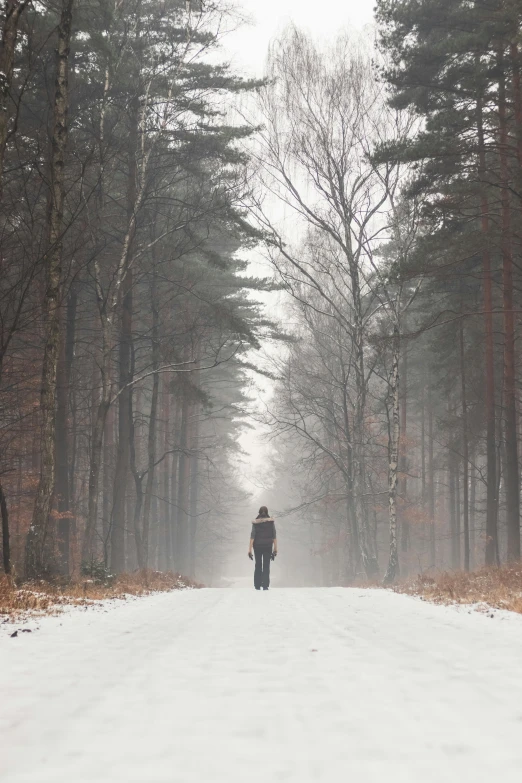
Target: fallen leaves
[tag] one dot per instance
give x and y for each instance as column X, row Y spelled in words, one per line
column 38, row 598
column 500, row 588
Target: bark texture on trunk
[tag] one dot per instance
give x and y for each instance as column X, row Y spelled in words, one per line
column 108, row 448
column 88, row 551
column 453, row 480
column 38, row 550
column 125, row 390
column 517, row 102
column 174, row 515
column 194, row 490
column 491, row 549
column 394, row 431
column 182, row 544
column 167, row 530
column 123, row 450
column 465, row 445
column 510, row 414
column 431, row 480
column 6, row 541
column 153, row 422
column 403, row 460
column 366, row 538
column 62, row 485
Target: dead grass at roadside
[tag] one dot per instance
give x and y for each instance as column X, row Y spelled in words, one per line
column 500, row 588
column 37, row 598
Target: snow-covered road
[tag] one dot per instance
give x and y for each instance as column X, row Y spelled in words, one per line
column 235, row 686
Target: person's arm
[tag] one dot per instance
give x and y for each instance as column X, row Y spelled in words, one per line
column 275, row 541
column 251, row 545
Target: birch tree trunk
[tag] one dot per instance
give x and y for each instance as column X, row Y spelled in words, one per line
column 37, row 555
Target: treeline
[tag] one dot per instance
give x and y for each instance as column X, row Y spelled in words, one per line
column 125, row 313
column 399, row 403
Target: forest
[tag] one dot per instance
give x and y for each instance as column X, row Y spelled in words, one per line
column 379, row 177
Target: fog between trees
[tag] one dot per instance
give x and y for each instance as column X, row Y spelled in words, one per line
column 129, row 328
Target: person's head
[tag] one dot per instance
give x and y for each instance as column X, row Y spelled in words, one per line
column 263, row 512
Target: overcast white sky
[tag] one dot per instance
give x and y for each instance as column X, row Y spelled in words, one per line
column 323, row 18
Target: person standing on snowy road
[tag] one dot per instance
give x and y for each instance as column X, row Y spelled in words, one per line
column 263, row 540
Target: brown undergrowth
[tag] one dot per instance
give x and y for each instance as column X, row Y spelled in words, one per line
column 37, row 598
column 500, row 588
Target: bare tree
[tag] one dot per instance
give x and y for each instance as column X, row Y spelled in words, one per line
column 38, row 537
column 323, row 114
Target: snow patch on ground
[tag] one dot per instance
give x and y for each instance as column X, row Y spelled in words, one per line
column 228, row 686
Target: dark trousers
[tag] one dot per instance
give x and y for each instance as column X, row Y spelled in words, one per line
column 262, row 570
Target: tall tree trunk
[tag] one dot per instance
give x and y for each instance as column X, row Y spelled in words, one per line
column 465, row 445
column 194, row 487
column 153, row 419
column 125, row 391
column 138, row 485
column 174, row 515
column 183, row 489
column 95, row 457
column 423, row 447
column 123, row 448
column 517, row 101
column 6, row 541
column 347, row 450
column 472, row 506
column 366, row 539
column 452, row 465
column 167, row 527
column 431, row 480
column 510, row 416
column 13, row 10
column 458, row 511
column 108, row 446
column 62, row 485
column 489, row 369
column 38, row 551
column 394, row 431
column 151, row 450
column 403, row 456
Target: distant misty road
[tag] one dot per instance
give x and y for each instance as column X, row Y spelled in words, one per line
column 235, row 686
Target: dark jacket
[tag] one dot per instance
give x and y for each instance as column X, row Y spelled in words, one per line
column 263, row 532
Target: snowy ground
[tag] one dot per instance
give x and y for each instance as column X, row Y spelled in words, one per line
column 236, row 686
